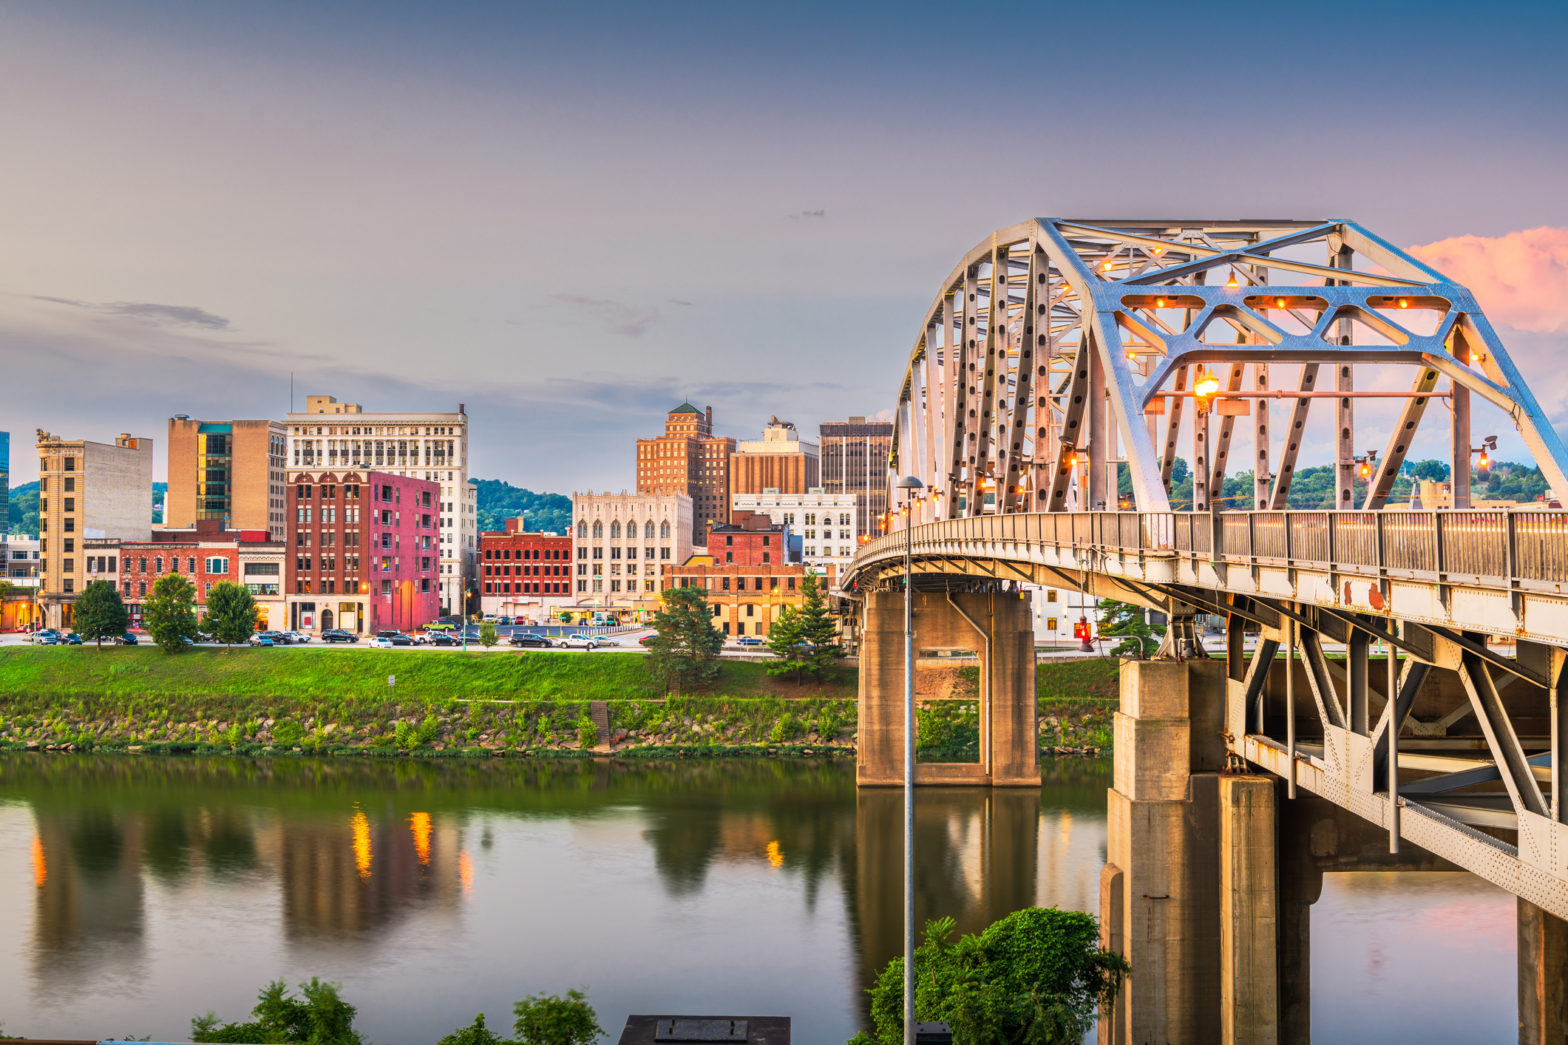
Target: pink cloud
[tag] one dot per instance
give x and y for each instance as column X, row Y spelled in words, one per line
column 1520, row 279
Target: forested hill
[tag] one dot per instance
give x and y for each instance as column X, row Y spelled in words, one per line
column 1313, row 488
column 500, row 501
column 22, row 512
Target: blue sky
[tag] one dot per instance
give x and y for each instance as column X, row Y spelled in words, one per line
column 569, row 217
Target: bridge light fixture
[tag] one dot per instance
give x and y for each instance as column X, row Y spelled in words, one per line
column 1232, row 283
column 1159, row 302
column 1206, row 388
column 1404, row 302
column 1106, row 264
column 1279, row 302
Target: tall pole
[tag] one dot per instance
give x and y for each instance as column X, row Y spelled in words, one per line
column 909, row 484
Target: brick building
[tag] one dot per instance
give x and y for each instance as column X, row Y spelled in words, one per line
column 524, row 574
column 689, row 459
column 623, row 543
column 86, row 490
column 364, row 551
column 748, row 574
column 822, row 524
column 228, row 472
column 203, row 554
column 779, row 461
column 854, row 460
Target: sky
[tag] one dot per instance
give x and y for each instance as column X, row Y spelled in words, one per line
column 569, row 217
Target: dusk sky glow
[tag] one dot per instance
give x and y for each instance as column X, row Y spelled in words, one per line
column 569, row 217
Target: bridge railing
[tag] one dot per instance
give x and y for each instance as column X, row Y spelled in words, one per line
column 1526, row 548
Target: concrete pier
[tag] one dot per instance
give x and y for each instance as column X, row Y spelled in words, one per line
column 997, row 627
column 1543, row 977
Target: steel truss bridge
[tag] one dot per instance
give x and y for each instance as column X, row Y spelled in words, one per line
column 1064, row 368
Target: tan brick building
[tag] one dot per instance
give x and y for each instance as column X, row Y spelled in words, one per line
column 779, row 462
column 689, row 459
column 86, row 490
column 623, row 545
column 854, row 460
column 229, row 472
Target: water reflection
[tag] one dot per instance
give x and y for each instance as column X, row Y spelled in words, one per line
column 189, row 882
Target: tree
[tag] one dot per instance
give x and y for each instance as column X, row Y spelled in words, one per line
column 784, row 640
column 685, row 645
column 1130, row 622
column 100, row 613
column 475, row 1033
column 231, row 612
column 547, row 1019
column 818, row 629
column 320, row 1017
column 487, row 635
column 170, row 612
column 1037, row 976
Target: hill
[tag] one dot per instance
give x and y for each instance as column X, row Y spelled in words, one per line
column 500, row 501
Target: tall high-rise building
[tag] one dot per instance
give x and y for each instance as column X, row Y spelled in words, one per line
column 86, row 490
column 780, row 462
column 229, row 472
column 689, row 459
column 5, row 484
column 854, row 460
column 434, row 447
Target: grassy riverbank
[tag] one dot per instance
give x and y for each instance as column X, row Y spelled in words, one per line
column 450, row 704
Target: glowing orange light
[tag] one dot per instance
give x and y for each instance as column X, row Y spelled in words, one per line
column 361, row 829
column 1159, row 250
column 419, row 827
column 1206, row 387
column 1366, row 469
column 1279, row 302
column 465, row 871
column 1072, row 460
column 1404, row 302
column 775, row 854
column 40, row 865
column 1131, row 355
column 1232, row 281
column 1485, row 461
column 1159, row 302
column 1106, row 265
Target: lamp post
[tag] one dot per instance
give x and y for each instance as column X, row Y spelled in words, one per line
column 910, row 485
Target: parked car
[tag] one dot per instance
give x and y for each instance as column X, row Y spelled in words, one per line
column 47, row 637
column 72, row 639
column 646, row 640
column 127, row 639
column 379, row 642
column 296, row 636
column 749, row 640
column 528, row 638
column 442, row 638
column 583, row 642
column 337, row 635
column 262, row 639
column 397, row 638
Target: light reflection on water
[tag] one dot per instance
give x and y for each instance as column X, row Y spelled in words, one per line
column 135, row 893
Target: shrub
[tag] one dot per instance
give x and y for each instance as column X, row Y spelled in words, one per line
column 547, row 1019
column 587, row 733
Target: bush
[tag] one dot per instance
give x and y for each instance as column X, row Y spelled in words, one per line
column 785, row 729
column 587, row 733
column 547, row 1019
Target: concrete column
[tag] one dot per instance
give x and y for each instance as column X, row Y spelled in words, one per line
column 1248, row 911
column 1160, row 889
column 1543, row 977
column 994, row 624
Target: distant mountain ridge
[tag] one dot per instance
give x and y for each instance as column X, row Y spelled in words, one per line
column 500, row 500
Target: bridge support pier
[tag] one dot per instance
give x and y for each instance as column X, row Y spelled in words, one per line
column 1543, row 977
column 997, row 626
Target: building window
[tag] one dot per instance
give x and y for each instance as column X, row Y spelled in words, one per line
column 218, row 566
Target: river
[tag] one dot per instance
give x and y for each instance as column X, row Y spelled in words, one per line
column 137, row 892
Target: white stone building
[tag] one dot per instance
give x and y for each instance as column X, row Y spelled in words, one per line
column 623, row 542
column 823, row 524
column 434, row 446
column 1057, row 610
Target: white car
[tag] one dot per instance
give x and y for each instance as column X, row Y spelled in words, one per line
column 296, row 637
column 580, row 642
column 380, row 642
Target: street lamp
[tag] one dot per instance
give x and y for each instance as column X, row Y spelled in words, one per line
column 911, row 486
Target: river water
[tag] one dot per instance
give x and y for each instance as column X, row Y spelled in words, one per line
column 137, row 892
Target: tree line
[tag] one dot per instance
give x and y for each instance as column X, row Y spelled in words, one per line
column 169, row 613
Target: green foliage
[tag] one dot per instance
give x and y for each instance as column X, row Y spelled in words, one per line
column 684, row 648
column 1037, row 977
column 1132, row 624
column 99, row 612
column 499, row 501
column 231, row 612
column 170, row 612
column 548, row 1019
column 818, row 628
column 475, row 1033
column 784, row 640
column 22, row 511
column 785, row 729
column 487, row 634
column 587, row 732
column 319, row 1017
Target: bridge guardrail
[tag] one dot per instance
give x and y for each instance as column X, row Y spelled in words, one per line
column 1513, row 548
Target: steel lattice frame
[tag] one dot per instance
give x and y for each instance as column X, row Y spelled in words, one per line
column 1059, row 348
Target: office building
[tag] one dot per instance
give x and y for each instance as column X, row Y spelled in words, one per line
column 855, row 460
column 363, row 551
column 226, row 472
column 689, row 459
column 428, row 446
column 822, row 525
column 5, row 485
column 780, row 461
column 623, row 543
column 203, row 554
column 86, row 490
column 524, row 574
column 749, row 575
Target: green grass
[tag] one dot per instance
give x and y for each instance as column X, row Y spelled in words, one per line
column 1097, row 678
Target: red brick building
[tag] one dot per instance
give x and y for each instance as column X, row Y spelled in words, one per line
column 749, row 572
column 524, row 574
column 204, row 555
column 689, row 459
column 364, row 551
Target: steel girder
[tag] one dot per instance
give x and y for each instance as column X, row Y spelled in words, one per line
column 1059, row 349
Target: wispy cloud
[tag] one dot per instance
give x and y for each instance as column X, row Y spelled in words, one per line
column 619, row 316
column 807, row 215
column 681, row 303
column 160, row 315
column 1520, row 278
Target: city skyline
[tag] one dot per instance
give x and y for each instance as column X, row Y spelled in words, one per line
column 407, row 206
